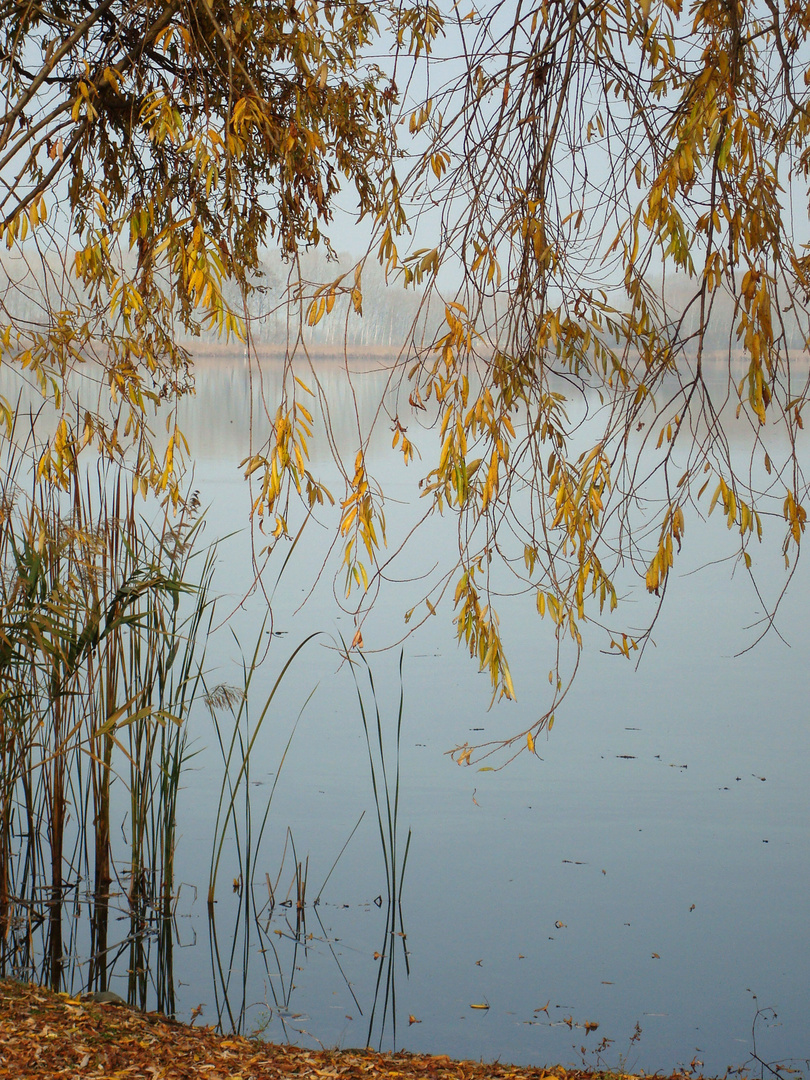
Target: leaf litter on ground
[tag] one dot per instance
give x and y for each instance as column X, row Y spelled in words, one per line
column 47, row 1034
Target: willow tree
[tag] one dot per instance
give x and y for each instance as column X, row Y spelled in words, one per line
column 148, row 152
column 624, row 188
column 598, row 197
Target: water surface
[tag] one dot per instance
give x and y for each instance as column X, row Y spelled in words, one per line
column 638, row 894
column 650, row 868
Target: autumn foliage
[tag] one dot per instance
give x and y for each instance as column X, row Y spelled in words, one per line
column 599, row 200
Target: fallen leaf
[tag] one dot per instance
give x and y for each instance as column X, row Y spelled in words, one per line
column 590, row 1026
column 560, row 925
column 55, row 1033
column 413, row 1020
column 655, row 956
column 357, row 640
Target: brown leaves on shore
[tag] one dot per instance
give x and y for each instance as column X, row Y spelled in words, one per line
column 43, row 1034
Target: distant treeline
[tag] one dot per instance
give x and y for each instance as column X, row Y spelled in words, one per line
column 278, row 308
column 391, row 318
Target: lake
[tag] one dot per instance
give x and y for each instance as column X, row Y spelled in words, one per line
column 638, row 894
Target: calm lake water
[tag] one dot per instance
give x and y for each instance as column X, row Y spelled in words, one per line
column 649, row 872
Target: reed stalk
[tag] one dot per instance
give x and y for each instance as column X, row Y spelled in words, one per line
column 101, row 643
column 385, row 783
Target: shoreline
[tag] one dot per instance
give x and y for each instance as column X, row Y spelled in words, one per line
column 44, row 1033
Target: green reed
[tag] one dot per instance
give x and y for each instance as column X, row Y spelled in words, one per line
column 99, row 666
column 385, row 783
column 385, row 787
column 238, row 826
column 236, row 755
column 253, row 936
